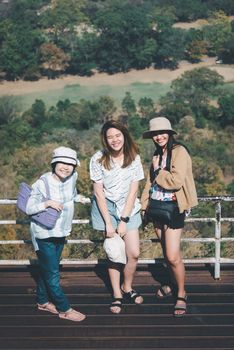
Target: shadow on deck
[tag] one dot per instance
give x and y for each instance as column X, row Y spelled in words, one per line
column 209, row 323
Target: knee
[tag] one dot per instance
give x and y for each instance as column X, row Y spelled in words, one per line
column 134, row 256
column 52, row 277
column 174, row 260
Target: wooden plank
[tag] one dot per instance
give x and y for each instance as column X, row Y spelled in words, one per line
column 126, row 343
column 145, row 289
column 210, row 318
column 97, row 309
column 45, row 319
column 71, row 330
column 105, row 299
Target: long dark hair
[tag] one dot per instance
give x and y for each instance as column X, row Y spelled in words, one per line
column 130, row 149
column 171, row 144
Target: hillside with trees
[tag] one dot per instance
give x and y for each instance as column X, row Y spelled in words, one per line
column 50, row 38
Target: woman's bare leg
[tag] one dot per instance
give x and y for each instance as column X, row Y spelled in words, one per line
column 114, row 274
column 132, row 245
column 173, row 255
column 161, row 236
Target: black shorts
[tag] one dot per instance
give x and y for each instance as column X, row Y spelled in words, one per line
column 176, row 222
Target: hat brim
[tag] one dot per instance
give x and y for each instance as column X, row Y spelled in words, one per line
column 65, row 160
column 149, row 134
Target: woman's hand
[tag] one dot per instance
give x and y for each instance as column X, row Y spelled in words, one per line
column 84, row 200
column 110, row 231
column 122, row 228
column 53, row 204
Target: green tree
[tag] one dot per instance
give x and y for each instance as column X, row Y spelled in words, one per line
column 125, row 38
column 19, row 131
column 87, row 115
column 171, row 48
column 83, row 115
column 19, row 54
column 217, row 32
column 163, row 17
column 226, row 52
column 226, row 104
column 32, row 124
column 128, row 104
column 20, row 37
column 135, row 126
column 107, row 108
column 25, row 12
column 62, row 19
column 63, row 105
column 83, row 54
column 195, row 45
column 9, row 109
column 192, row 92
column 38, row 113
column 190, row 10
column 146, row 108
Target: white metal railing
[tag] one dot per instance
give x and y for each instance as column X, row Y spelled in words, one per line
column 217, row 260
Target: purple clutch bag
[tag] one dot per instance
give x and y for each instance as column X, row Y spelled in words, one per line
column 46, row 218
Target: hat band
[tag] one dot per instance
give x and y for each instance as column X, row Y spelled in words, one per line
column 65, row 157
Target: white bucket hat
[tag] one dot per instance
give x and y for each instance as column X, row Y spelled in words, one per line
column 65, row 155
column 115, row 249
column 158, row 124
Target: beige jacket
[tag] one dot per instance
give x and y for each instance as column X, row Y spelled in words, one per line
column 180, row 179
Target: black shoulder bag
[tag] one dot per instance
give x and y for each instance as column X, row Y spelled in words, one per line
column 161, row 211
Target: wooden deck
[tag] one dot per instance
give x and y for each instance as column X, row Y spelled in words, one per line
column 209, row 323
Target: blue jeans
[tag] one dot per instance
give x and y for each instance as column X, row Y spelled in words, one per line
column 48, row 284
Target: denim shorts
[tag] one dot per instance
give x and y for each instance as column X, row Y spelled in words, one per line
column 99, row 223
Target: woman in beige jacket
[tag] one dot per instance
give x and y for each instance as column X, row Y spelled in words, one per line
column 170, row 179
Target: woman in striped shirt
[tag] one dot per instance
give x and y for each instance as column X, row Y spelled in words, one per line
column 116, row 172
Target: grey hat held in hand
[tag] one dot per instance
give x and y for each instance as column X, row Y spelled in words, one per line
column 156, row 125
column 65, row 155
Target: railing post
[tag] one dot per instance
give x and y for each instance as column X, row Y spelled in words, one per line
column 217, row 239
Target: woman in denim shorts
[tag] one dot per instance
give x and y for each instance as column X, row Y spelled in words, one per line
column 116, row 172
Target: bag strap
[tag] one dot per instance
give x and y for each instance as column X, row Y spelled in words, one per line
column 44, row 179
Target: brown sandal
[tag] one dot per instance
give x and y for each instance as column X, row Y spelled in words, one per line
column 72, row 315
column 50, row 307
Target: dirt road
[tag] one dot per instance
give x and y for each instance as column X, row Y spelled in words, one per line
column 149, row 75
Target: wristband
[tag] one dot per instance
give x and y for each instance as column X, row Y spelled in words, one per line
column 124, row 219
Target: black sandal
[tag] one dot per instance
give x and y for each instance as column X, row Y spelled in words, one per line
column 131, row 296
column 180, row 307
column 164, row 291
column 118, row 304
